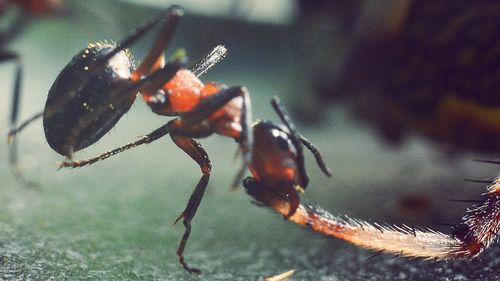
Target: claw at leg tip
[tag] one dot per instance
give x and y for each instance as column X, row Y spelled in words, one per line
column 176, row 220
column 10, row 138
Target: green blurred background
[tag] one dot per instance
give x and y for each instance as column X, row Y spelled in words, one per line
column 111, row 221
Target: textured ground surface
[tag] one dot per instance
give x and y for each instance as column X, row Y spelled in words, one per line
column 112, row 221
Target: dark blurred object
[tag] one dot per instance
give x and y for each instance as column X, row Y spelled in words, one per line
column 416, row 208
column 36, row 7
column 14, row 14
column 428, row 66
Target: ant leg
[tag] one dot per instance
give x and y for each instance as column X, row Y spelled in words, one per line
column 149, row 138
column 319, row 158
column 246, row 139
column 14, row 113
column 170, row 18
column 214, row 102
column 237, row 179
column 154, row 58
column 15, row 130
column 7, row 56
column 16, row 97
column 211, row 104
column 194, row 149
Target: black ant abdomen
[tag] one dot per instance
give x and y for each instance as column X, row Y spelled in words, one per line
column 83, row 104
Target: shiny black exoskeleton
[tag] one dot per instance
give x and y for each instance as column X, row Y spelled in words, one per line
column 86, row 100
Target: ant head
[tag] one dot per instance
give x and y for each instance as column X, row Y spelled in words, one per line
column 276, row 157
column 87, row 99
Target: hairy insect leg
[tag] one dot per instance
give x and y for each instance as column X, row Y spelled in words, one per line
column 477, row 230
column 149, row 138
column 194, row 149
column 480, row 225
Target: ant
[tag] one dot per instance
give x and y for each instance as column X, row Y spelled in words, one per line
column 99, row 85
column 277, row 160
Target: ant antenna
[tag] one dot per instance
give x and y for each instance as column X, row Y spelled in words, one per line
column 298, row 138
column 281, row 111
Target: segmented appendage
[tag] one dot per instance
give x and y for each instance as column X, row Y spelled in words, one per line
column 480, row 225
column 477, row 230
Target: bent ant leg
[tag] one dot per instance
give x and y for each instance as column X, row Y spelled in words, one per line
column 149, row 138
column 14, row 109
column 211, row 104
column 14, row 113
column 182, row 129
column 194, row 149
column 170, row 18
column 245, row 138
column 154, row 58
column 237, row 178
column 216, row 101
